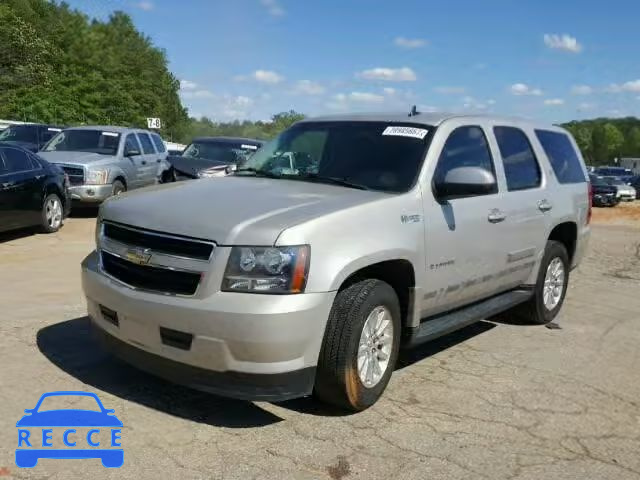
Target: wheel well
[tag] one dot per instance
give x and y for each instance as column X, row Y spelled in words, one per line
column 53, row 188
column 121, row 178
column 567, row 234
column 397, row 273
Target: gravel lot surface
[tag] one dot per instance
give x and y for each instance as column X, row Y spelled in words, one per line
column 491, row 401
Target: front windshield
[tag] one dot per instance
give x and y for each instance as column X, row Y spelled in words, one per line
column 372, row 155
column 95, row 141
column 597, row 180
column 20, row 133
column 235, row 153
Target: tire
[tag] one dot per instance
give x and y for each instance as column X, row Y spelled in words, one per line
column 338, row 380
column 52, row 214
column 534, row 311
column 168, row 176
column 118, row 188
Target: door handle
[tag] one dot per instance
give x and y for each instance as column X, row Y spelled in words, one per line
column 144, row 162
column 544, row 205
column 496, row 216
column 158, row 161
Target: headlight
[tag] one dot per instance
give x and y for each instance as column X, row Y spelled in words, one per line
column 97, row 177
column 212, row 172
column 267, row 269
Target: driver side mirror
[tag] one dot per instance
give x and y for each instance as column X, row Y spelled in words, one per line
column 132, row 152
column 465, row 182
column 231, row 168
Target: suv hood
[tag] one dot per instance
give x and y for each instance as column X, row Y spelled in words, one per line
column 75, row 158
column 232, row 210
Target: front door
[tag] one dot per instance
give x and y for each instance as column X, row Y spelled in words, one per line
column 22, row 188
column 464, row 252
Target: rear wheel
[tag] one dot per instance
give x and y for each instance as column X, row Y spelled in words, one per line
column 52, row 213
column 360, row 346
column 550, row 288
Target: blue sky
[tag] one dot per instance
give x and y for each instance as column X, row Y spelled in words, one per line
column 552, row 60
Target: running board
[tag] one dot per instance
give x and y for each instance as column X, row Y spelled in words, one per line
column 448, row 322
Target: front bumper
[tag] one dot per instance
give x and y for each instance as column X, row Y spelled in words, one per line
column 248, row 346
column 91, row 193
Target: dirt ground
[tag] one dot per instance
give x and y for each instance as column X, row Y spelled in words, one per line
column 493, row 401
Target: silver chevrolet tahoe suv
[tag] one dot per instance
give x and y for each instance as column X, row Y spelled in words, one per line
column 106, row 161
column 387, row 231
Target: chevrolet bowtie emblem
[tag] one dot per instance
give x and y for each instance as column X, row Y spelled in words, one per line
column 139, row 256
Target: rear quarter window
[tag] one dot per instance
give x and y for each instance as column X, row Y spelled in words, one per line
column 562, row 156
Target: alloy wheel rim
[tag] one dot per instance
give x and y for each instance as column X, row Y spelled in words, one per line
column 553, row 284
column 374, row 348
column 54, row 213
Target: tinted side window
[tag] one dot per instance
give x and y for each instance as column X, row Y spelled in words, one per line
column 16, row 160
column 520, row 164
column 131, row 143
column 147, row 146
column 562, row 155
column 46, row 135
column 465, row 147
column 157, row 141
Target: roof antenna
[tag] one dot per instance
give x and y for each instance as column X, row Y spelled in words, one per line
column 414, row 111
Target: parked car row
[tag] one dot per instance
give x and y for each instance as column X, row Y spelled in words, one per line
column 86, row 165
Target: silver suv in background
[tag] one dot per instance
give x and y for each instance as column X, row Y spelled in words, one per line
column 376, row 232
column 102, row 161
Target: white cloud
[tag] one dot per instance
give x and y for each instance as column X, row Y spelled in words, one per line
column 267, row 76
column 389, row 91
column 366, row 97
column 197, row 94
column 524, row 89
column 145, row 5
column 188, row 85
column 491, row 101
column 307, row 87
column 581, row 90
column 563, row 42
column 586, row 106
column 409, row 42
column 273, row 7
column 450, row 90
column 471, row 103
column 404, row 74
column 554, row 102
column 631, row 86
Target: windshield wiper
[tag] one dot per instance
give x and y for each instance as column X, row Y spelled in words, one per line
column 335, row 181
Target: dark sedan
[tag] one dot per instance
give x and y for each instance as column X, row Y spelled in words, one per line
column 210, row 157
column 32, row 136
column 33, row 192
column 602, row 193
column 635, row 183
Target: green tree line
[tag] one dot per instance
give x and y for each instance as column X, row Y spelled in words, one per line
column 603, row 139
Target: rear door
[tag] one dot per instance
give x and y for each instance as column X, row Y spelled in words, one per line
column 22, row 187
column 526, row 205
column 464, row 255
column 149, row 162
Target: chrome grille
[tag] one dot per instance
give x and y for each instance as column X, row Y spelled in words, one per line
column 153, row 261
column 75, row 174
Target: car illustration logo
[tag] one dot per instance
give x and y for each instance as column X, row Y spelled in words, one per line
column 69, row 433
column 139, row 256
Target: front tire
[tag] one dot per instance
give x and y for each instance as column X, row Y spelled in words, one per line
column 360, row 345
column 52, row 213
column 118, row 188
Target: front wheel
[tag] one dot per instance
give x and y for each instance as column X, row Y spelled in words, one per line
column 360, row 345
column 118, row 188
